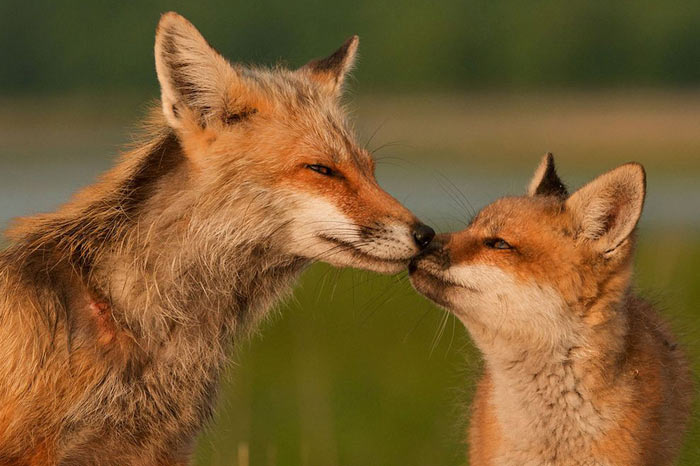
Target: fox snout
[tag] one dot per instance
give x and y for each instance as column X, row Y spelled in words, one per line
column 382, row 237
column 435, row 252
column 423, row 235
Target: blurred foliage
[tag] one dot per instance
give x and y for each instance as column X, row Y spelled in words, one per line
column 54, row 46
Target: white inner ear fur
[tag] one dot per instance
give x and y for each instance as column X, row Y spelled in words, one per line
column 193, row 76
column 607, row 209
column 538, row 175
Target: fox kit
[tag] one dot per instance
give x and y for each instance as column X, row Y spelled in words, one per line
column 118, row 311
column 578, row 370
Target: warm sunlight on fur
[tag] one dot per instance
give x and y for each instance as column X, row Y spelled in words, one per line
column 118, row 311
column 578, row 370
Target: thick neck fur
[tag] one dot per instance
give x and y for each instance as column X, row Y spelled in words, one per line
column 149, row 241
column 181, row 272
column 548, row 393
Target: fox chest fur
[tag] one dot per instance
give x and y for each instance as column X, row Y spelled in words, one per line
column 551, row 419
column 130, row 391
column 571, row 410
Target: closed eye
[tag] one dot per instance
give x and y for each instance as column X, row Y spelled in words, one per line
column 497, row 243
column 322, row 169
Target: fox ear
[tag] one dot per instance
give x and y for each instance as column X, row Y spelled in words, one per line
column 330, row 72
column 607, row 209
column 545, row 181
column 194, row 78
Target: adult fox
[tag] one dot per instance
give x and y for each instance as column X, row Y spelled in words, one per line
column 118, row 311
column 578, row 370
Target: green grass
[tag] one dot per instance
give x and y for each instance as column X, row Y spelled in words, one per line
column 349, row 374
column 359, row 370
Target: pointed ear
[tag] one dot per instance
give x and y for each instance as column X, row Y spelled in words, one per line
column 545, row 181
column 330, row 72
column 607, row 209
column 194, row 78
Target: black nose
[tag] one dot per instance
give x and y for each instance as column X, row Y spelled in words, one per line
column 423, row 235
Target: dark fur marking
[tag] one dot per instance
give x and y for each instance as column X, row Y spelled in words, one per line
column 302, row 96
column 184, row 86
column 442, row 259
column 233, row 118
column 551, row 184
column 437, row 254
column 333, row 63
column 163, row 159
column 179, row 80
column 71, row 244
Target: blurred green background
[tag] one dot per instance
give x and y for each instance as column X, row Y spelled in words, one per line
column 459, row 99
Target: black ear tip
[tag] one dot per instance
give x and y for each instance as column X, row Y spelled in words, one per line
column 548, row 162
column 551, row 168
column 334, row 62
column 348, row 47
column 550, row 184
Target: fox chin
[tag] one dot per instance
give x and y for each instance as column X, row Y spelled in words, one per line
column 119, row 311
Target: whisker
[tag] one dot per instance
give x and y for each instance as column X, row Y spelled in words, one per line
column 439, row 333
column 374, row 133
column 471, row 210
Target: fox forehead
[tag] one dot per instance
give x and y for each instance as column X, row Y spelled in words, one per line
column 520, row 217
column 313, row 118
column 327, row 135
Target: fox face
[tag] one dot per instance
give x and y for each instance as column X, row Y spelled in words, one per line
column 538, row 266
column 280, row 138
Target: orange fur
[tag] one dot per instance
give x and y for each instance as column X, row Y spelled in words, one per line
column 119, row 311
column 578, row 370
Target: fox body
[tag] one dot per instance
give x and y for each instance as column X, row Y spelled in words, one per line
column 118, row 311
column 578, row 370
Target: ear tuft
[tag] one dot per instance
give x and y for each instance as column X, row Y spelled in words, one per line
column 607, row 210
column 193, row 77
column 545, row 181
column 330, row 72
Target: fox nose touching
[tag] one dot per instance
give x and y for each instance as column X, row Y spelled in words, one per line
column 434, row 249
column 423, row 235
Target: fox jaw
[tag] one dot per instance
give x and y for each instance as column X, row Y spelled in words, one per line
column 539, row 269
column 279, row 139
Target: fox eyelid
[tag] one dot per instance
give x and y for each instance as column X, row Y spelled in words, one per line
column 322, row 169
column 497, row 243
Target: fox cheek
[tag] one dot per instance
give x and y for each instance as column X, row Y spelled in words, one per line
column 510, row 305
